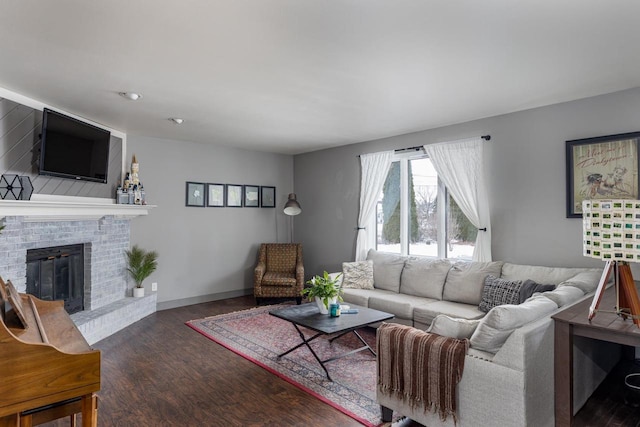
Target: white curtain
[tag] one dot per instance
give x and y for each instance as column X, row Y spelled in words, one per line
column 460, row 167
column 374, row 173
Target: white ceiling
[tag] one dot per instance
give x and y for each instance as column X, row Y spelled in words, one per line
column 292, row 76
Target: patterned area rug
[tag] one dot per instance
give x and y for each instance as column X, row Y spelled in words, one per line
column 259, row 337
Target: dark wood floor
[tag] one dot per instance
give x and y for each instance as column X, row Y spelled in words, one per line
column 159, row 372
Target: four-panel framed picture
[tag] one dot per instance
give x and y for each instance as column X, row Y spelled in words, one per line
column 215, row 195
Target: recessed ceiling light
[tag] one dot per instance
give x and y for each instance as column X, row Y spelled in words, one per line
column 177, row 120
column 132, row 96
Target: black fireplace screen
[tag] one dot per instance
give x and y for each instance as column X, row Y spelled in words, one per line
column 57, row 273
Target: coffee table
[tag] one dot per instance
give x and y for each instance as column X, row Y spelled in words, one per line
column 308, row 316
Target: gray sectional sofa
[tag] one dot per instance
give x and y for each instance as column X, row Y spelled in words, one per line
column 508, row 372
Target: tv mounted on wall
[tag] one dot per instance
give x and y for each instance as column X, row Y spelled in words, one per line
column 73, row 149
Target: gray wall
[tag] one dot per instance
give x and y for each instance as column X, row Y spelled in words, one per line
column 20, row 128
column 525, row 167
column 205, row 253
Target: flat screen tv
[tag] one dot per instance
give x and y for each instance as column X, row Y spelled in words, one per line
column 73, row 149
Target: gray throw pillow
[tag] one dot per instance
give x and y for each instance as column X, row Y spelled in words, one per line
column 529, row 287
column 499, row 292
column 357, row 275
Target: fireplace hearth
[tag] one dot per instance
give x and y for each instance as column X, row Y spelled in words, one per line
column 57, row 273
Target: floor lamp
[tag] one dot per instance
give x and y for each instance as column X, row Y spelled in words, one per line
column 611, row 232
column 292, row 208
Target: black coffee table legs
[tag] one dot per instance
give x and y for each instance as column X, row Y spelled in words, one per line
column 364, row 347
column 306, row 342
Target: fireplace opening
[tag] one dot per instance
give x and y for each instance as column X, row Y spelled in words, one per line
column 57, row 273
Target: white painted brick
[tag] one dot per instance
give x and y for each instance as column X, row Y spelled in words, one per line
column 107, row 309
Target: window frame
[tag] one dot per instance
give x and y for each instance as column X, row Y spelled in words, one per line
column 442, row 213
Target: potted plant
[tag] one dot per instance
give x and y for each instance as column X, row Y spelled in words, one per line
column 324, row 290
column 141, row 265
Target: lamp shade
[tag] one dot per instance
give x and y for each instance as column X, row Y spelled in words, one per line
column 292, row 207
column 611, row 229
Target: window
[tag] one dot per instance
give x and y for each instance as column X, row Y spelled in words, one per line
column 416, row 216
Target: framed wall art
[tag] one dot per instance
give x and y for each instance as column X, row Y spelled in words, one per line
column 251, row 196
column 268, row 197
column 215, row 195
column 196, row 195
column 604, row 167
column 234, row 196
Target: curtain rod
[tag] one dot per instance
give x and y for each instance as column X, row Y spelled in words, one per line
column 419, row 147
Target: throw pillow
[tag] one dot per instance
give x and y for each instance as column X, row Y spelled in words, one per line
column 499, row 292
column 452, row 327
column 529, row 287
column 357, row 275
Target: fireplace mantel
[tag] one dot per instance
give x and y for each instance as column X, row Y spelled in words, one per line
column 68, row 208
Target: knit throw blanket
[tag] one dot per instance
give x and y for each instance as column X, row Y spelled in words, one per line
column 420, row 368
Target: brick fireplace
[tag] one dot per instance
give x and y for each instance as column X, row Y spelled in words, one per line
column 103, row 231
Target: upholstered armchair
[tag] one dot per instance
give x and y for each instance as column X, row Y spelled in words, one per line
column 280, row 272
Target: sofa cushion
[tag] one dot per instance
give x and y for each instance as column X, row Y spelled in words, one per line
column 498, row 292
column 564, row 295
column 453, row 327
column 501, row 321
column 400, row 305
column 424, row 314
column 357, row 275
column 274, row 278
column 552, row 275
column 387, row 269
column 360, row 296
column 424, row 277
column 465, row 281
column 587, row 280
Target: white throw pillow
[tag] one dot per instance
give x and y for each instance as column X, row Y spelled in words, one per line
column 501, row 321
column 452, row 327
column 357, row 275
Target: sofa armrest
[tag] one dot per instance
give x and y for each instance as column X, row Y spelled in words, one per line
column 529, row 343
column 259, row 271
column 299, row 275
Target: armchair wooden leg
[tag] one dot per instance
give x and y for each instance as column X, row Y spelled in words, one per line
column 258, row 300
column 298, row 300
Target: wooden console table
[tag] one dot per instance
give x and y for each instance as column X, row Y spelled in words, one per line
column 605, row 326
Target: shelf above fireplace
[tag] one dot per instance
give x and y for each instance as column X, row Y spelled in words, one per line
column 69, row 208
